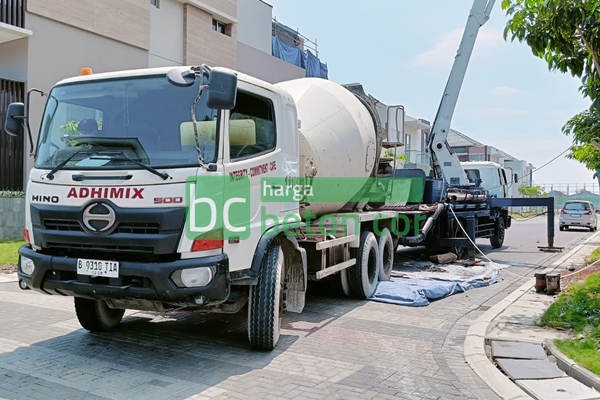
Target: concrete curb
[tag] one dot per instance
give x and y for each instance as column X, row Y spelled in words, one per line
column 474, row 349
column 571, row 368
column 474, row 346
column 8, row 278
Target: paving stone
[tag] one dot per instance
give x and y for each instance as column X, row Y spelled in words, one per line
column 516, row 314
column 518, row 350
column 529, row 369
column 558, row 389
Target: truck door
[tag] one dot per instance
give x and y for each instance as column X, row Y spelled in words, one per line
column 251, row 150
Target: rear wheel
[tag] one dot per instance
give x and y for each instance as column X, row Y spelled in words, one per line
column 460, row 252
column 364, row 274
column 339, row 283
column 562, row 228
column 386, row 247
column 96, row 315
column 566, row 228
column 266, row 301
column 497, row 239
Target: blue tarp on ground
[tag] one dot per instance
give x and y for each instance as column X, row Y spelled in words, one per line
column 417, row 292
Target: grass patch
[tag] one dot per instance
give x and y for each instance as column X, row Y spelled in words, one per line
column 526, row 214
column 9, row 252
column 583, row 352
column 592, row 258
column 578, row 307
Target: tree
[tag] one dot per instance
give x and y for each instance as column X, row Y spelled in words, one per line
column 565, row 33
column 532, row 191
column 585, row 127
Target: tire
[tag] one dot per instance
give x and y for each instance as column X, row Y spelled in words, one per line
column 460, row 252
column 562, row 228
column 566, row 228
column 266, row 301
column 591, row 229
column 339, row 283
column 96, row 315
column 497, row 240
column 385, row 244
column 363, row 276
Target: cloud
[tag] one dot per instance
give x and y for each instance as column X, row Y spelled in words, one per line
column 504, row 91
column 444, row 49
column 500, row 112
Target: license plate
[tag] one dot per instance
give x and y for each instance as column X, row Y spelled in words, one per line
column 109, row 269
column 576, row 215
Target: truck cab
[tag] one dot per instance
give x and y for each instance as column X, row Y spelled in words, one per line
column 488, row 175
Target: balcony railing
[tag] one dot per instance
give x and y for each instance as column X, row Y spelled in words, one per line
column 12, row 12
column 417, row 159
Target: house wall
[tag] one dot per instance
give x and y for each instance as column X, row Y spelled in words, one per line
column 264, row 66
column 228, row 7
column 254, row 24
column 13, row 60
column 166, row 34
column 127, row 21
column 49, row 62
column 203, row 45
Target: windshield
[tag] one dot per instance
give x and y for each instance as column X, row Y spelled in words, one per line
column 146, row 119
column 577, row 206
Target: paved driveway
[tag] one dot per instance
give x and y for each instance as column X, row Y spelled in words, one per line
column 337, row 348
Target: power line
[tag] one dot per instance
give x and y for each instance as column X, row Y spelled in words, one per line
column 537, row 169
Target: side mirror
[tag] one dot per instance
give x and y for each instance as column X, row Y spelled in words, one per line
column 222, row 89
column 15, row 116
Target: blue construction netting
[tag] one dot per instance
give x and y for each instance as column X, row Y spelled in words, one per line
column 303, row 59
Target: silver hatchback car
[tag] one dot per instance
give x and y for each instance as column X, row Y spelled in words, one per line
column 578, row 214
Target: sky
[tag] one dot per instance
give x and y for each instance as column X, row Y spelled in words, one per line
column 402, row 52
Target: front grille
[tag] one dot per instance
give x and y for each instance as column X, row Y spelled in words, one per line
column 141, row 228
column 96, row 247
column 62, row 225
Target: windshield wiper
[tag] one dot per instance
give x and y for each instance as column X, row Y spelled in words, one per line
column 62, row 164
column 120, row 156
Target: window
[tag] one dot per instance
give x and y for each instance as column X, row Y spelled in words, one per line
column 251, row 127
column 146, row 118
column 155, row 3
column 221, row 27
column 577, row 206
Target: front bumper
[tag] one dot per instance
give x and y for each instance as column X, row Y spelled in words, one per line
column 146, row 281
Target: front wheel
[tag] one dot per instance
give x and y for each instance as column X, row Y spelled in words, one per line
column 497, row 239
column 96, row 315
column 266, row 301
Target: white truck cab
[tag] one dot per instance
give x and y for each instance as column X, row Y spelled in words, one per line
column 490, row 175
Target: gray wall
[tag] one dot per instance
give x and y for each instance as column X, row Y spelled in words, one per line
column 13, row 60
column 266, row 67
column 12, row 217
column 58, row 51
column 254, row 24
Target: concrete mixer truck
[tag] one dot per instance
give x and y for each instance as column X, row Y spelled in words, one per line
column 193, row 188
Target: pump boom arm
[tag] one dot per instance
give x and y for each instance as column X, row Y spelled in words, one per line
column 446, row 163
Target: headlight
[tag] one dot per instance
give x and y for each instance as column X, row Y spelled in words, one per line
column 196, row 277
column 27, row 265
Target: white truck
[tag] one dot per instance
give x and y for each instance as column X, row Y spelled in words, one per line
column 110, row 199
